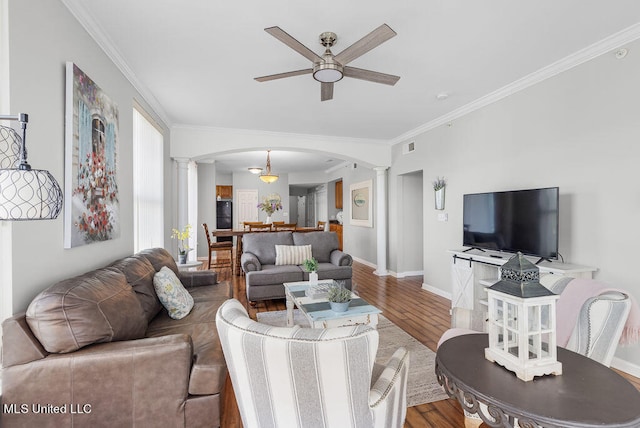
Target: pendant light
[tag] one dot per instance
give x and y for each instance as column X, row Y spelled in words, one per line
column 25, row 193
column 267, row 176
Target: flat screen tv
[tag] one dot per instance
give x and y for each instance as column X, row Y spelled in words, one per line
column 519, row 220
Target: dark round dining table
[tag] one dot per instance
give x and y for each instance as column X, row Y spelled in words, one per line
column 587, row 394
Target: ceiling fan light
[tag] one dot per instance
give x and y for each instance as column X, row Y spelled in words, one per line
column 255, row 170
column 327, row 75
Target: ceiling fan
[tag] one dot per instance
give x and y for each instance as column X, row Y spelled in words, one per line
column 329, row 68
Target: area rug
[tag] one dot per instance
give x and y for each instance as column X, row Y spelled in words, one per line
column 423, row 385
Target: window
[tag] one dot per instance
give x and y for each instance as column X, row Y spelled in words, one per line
column 148, row 189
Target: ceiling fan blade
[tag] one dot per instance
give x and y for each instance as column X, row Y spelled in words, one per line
column 365, row 44
column 326, row 91
column 372, row 76
column 285, row 38
column 283, row 75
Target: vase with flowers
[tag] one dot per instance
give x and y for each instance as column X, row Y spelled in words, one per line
column 270, row 204
column 183, row 242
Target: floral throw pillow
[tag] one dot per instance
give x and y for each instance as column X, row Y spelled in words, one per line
column 172, row 294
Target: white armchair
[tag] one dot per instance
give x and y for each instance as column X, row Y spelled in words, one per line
column 302, row 377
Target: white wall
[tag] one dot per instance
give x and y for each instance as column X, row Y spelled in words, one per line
column 360, row 242
column 43, row 35
column 579, row 130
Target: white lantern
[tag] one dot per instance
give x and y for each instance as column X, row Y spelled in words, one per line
column 522, row 322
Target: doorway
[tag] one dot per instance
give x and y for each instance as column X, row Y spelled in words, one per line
column 302, row 210
column 246, row 206
column 410, row 260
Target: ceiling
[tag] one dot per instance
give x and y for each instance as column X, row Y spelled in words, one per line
column 195, row 60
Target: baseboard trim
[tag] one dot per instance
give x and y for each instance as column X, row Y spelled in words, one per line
column 364, row 262
column 626, row 366
column 436, row 290
column 409, row 273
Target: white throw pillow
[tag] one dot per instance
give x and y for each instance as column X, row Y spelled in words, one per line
column 172, row 293
column 292, row 254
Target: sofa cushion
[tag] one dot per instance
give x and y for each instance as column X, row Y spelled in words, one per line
column 292, row 254
column 139, row 273
column 322, row 243
column 214, row 293
column 159, row 257
column 331, row 271
column 263, row 245
column 172, row 294
column 99, row 306
column 209, row 370
column 272, row 274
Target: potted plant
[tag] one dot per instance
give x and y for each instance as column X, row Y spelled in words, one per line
column 438, row 187
column 311, row 266
column 183, row 244
column 339, row 297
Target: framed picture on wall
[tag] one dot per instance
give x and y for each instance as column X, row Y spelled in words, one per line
column 361, row 211
column 92, row 208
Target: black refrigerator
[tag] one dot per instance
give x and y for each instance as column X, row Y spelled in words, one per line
column 224, row 218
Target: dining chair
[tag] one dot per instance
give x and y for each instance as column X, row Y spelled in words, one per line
column 284, row 226
column 261, row 227
column 218, row 247
column 247, row 224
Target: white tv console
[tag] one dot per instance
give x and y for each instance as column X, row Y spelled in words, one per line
column 474, row 270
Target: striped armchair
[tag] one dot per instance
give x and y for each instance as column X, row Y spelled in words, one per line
column 302, row 377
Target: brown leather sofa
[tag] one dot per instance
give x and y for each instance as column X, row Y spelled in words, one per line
column 99, row 350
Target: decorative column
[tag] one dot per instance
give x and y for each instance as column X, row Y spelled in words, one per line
column 381, row 219
column 183, row 192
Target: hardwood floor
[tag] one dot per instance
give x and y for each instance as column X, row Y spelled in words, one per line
column 420, row 313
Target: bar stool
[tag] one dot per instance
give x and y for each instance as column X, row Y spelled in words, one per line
column 216, row 247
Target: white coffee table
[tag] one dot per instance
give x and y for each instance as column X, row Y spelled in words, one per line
column 318, row 311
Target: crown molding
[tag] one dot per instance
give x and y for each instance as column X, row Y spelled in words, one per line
column 580, row 57
column 96, row 32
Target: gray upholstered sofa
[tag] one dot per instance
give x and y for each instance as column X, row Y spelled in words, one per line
column 264, row 278
column 102, row 349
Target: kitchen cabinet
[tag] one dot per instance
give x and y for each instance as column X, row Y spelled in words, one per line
column 224, row 192
column 339, row 194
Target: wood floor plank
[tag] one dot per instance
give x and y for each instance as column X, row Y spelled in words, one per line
column 422, row 314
